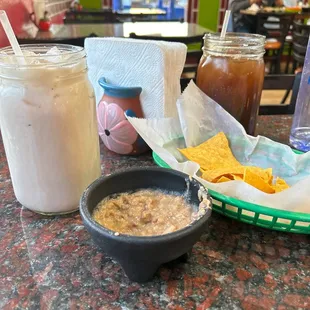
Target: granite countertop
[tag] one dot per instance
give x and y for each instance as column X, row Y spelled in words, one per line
column 51, row 262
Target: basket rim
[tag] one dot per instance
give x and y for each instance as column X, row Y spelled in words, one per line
column 284, row 214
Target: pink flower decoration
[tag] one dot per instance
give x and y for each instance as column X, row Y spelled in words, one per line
column 116, row 132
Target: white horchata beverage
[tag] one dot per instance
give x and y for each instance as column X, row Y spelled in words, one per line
column 49, row 128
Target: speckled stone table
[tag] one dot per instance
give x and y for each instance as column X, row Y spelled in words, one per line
column 51, row 263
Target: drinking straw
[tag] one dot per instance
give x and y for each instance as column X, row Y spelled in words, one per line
column 225, row 23
column 11, row 36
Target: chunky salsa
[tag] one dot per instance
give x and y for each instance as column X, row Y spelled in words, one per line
column 144, row 213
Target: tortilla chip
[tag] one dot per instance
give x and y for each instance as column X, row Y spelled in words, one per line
column 265, row 174
column 269, row 171
column 223, row 179
column 214, row 175
column 213, row 154
column 218, row 164
column 256, row 181
column 238, row 177
column 280, row 185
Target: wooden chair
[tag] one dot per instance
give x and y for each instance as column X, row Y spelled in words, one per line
column 288, row 82
column 299, row 37
column 192, row 57
column 275, row 28
column 301, row 32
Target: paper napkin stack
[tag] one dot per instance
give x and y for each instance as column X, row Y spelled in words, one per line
column 156, row 66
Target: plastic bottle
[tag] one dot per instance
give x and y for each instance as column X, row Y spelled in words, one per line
column 300, row 132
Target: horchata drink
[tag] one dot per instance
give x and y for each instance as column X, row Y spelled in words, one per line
column 48, row 124
column 231, row 72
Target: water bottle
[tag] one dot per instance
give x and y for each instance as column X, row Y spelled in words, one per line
column 300, row 131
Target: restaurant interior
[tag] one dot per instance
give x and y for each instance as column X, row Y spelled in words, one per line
column 285, row 48
column 154, row 154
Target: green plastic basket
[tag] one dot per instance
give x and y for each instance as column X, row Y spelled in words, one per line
column 250, row 213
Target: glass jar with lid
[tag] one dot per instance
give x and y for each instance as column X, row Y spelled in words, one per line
column 231, row 72
column 48, row 125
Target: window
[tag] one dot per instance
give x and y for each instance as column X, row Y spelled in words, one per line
column 154, row 3
column 178, row 3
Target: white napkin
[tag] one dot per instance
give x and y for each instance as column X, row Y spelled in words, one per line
column 156, row 66
column 200, row 119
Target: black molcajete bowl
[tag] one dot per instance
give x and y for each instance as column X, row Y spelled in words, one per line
column 141, row 256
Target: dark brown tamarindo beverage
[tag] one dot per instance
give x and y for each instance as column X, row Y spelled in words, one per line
column 231, row 72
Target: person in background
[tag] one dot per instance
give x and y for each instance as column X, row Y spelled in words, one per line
column 247, row 23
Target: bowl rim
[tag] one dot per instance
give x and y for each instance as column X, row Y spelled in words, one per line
column 178, row 234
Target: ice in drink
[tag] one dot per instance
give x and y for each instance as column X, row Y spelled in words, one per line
column 49, row 129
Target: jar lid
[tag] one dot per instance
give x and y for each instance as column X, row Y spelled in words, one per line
column 235, row 44
column 41, row 55
column 42, row 62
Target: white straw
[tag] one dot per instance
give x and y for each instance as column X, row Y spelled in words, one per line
column 225, row 23
column 11, row 36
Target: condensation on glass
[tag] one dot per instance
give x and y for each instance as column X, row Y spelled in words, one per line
column 48, row 124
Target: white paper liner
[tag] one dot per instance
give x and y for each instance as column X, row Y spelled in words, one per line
column 200, row 118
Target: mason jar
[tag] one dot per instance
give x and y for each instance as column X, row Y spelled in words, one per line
column 48, row 125
column 231, row 72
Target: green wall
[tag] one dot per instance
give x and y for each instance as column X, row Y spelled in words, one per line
column 91, row 4
column 208, row 13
